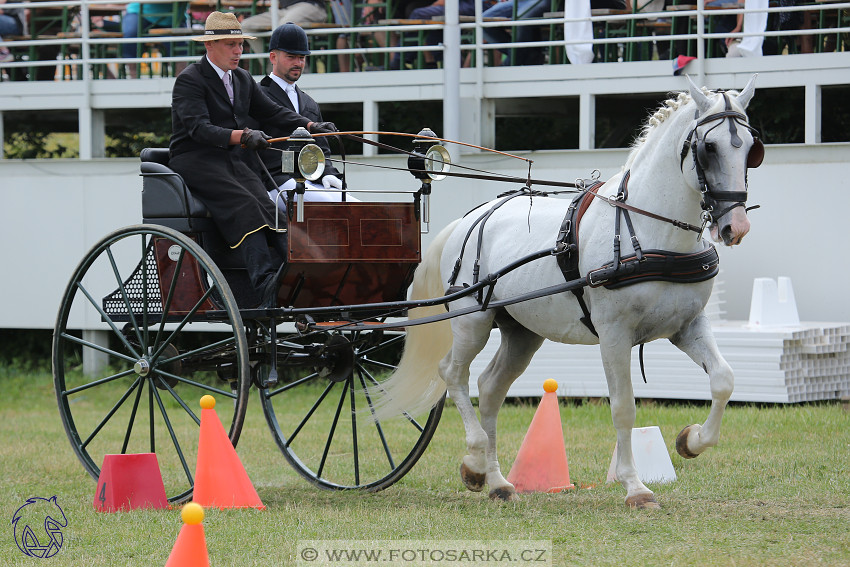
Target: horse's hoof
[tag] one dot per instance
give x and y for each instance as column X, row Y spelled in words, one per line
column 645, row 501
column 471, row 480
column 505, row 493
column 682, row 444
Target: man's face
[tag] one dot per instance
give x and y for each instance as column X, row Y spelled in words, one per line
column 287, row 66
column 225, row 53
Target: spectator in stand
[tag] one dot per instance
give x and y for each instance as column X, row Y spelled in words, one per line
column 140, row 17
column 12, row 22
column 297, row 11
column 438, row 8
column 525, row 10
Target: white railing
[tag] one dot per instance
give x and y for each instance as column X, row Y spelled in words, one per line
column 86, row 41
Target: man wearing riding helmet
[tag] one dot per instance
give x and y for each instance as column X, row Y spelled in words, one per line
column 288, row 51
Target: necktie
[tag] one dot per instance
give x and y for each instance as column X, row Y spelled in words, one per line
column 227, row 86
column 293, row 96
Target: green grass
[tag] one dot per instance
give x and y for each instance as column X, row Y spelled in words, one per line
column 776, row 491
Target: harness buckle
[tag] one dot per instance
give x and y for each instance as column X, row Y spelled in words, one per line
column 615, row 199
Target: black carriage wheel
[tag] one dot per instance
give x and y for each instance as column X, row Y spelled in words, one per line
column 322, row 421
column 134, row 388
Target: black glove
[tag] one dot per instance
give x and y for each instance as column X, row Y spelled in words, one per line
column 254, row 139
column 323, row 128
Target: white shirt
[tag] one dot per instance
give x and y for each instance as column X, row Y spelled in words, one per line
column 288, row 88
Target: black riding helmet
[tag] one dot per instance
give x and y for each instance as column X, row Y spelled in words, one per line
column 291, row 39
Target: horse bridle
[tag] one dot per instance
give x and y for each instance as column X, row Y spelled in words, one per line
column 711, row 197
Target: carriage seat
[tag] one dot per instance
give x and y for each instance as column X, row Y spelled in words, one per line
column 166, row 199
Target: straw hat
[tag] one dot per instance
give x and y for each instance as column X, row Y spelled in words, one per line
column 222, row 26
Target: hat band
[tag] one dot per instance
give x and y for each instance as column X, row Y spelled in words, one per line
column 223, row 32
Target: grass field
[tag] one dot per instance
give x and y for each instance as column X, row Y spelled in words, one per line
column 776, row 491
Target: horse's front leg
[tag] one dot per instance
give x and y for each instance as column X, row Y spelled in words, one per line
column 470, row 336
column 697, row 341
column 616, row 359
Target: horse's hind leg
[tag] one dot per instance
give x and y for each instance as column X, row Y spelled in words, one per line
column 517, row 347
column 470, row 336
column 697, row 341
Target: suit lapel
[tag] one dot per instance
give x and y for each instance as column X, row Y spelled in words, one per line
column 280, row 95
column 215, row 81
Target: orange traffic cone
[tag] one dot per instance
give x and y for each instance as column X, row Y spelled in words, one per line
column 541, row 464
column 190, row 549
column 220, row 478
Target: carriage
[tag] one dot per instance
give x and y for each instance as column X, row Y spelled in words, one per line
column 182, row 321
column 344, row 410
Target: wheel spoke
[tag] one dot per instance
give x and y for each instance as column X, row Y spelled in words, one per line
column 206, row 387
column 166, row 307
column 72, row 391
column 132, row 419
column 378, row 384
column 382, row 345
column 150, row 418
column 124, row 296
column 379, row 364
column 180, row 401
column 108, row 320
column 85, row 343
column 182, row 323
column 199, row 350
column 350, row 384
column 331, row 433
column 109, row 415
column 310, row 413
column 173, row 435
column 378, row 425
column 286, row 387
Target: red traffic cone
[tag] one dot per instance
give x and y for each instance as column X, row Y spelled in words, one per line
column 190, row 549
column 220, row 478
column 541, row 464
column 127, row 482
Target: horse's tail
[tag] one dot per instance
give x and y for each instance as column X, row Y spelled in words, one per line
column 416, row 385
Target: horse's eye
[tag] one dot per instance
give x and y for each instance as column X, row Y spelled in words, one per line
column 710, row 147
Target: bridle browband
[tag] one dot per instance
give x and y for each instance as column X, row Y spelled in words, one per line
column 713, row 197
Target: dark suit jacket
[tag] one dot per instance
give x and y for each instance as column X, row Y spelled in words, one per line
column 308, row 108
column 220, row 175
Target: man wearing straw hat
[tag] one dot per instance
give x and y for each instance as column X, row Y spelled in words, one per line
column 212, row 103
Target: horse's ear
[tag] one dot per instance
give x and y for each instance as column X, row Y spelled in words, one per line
column 746, row 95
column 703, row 103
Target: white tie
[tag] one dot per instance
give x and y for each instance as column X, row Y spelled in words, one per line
column 293, row 96
column 227, row 86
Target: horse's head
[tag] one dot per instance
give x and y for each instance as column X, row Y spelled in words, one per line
column 723, row 146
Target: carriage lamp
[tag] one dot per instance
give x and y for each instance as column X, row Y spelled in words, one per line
column 428, row 162
column 308, row 166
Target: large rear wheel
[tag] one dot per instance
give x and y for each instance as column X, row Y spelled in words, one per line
column 130, row 382
column 320, row 412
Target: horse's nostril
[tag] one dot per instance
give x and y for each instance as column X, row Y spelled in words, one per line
column 726, row 233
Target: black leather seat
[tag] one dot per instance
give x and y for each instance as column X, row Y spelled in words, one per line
column 166, row 199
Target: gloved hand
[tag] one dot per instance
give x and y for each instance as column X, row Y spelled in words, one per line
column 323, row 127
column 329, row 181
column 254, row 139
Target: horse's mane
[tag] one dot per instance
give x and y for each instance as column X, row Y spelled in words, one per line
column 664, row 111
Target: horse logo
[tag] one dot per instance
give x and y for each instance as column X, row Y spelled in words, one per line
column 39, row 512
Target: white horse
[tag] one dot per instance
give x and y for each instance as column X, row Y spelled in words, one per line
column 688, row 168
